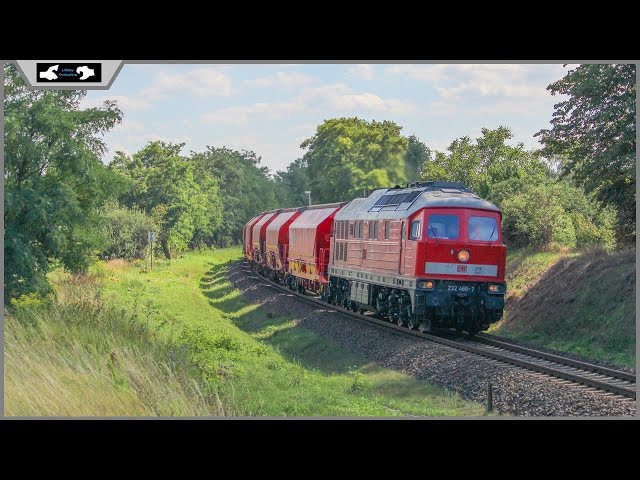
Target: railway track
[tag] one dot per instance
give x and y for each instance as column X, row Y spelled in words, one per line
column 611, row 381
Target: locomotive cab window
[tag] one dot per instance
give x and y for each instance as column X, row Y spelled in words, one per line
column 443, row 226
column 483, row 229
column 415, row 230
column 386, row 230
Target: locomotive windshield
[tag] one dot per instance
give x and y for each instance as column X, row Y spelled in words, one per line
column 483, row 228
column 443, row 226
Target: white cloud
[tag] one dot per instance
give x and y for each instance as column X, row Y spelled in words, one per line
column 371, row 102
column 275, row 155
column 284, row 79
column 337, row 98
column 508, row 80
column 362, row 71
column 206, row 81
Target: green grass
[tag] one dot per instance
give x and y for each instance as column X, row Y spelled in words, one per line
column 232, row 359
column 76, row 356
column 581, row 302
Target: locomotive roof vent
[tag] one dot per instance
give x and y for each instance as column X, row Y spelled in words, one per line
column 402, row 198
column 447, row 187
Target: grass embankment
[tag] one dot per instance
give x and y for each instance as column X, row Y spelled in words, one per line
column 579, row 302
column 76, row 355
column 186, row 342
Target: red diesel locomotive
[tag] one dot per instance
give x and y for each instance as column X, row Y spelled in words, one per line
column 429, row 255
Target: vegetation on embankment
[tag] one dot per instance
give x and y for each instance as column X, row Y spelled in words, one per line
column 76, row 355
column 125, row 341
column 576, row 302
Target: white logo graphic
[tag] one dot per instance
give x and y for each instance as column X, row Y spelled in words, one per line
column 49, row 75
column 85, row 71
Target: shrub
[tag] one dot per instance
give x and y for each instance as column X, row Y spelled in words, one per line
column 126, row 230
column 545, row 213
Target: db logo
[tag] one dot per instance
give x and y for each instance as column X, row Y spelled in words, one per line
column 462, row 268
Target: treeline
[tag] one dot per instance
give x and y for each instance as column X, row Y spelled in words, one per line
column 64, row 207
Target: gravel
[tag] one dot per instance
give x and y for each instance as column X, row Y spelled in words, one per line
column 516, row 391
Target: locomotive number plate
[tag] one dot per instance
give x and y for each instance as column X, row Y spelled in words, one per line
column 460, row 288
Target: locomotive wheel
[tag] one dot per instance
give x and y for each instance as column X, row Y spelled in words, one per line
column 412, row 324
column 400, row 321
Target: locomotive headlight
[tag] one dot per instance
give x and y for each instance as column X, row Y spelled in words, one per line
column 463, row 255
column 496, row 288
column 428, row 284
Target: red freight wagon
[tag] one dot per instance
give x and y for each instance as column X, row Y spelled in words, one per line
column 309, row 246
column 278, row 239
column 248, row 234
column 259, row 236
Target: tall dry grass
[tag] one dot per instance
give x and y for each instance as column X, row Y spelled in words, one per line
column 75, row 355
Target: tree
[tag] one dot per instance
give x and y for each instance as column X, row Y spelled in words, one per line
column 291, row 185
column 245, row 188
column 482, row 164
column 126, row 230
column 418, row 154
column 349, row 155
column 163, row 184
column 541, row 212
column 54, row 182
column 596, row 129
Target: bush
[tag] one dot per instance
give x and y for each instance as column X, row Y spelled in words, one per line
column 126, row 230
column 546, row 213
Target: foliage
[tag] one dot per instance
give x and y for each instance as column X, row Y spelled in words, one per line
column 418, row 154
column 595, row 128
column 163, row 184
column 549, row 212
column 481, row 165
column 291, row 184
column 78, row 354
column 349, row 155
column 54, row 182
column 245, row 189
column 126, row 230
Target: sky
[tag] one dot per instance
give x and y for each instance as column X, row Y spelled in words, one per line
column 272, row 108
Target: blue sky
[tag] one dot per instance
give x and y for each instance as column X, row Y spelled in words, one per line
column 271, row 109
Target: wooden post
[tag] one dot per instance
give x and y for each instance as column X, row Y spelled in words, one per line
column 489, row 397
